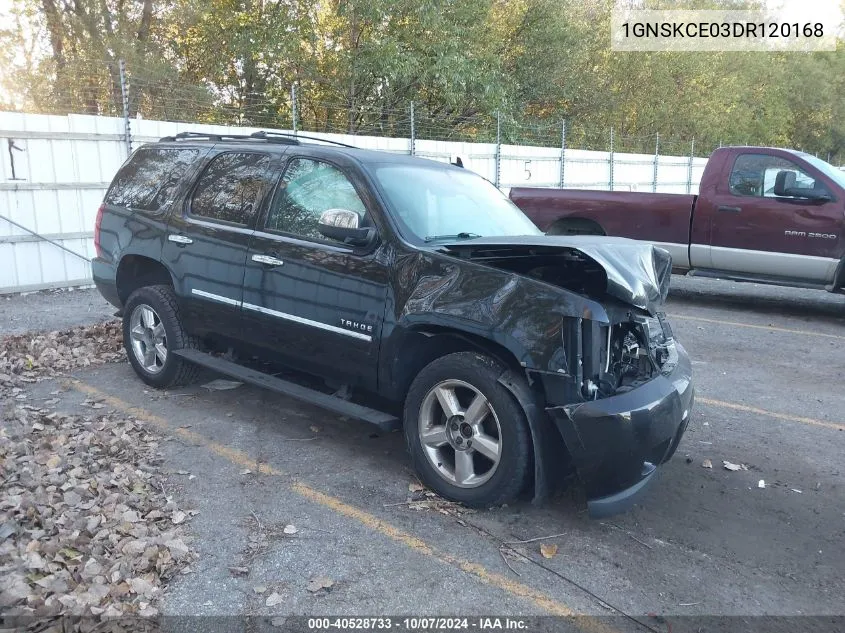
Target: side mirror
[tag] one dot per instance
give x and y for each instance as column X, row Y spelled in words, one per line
column 784, row 182
column 785, row 187
column 342, row 225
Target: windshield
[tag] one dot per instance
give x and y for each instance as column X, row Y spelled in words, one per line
column 836, row 175
column 437, row 204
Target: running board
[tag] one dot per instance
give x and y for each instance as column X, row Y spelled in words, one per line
column 383, row 421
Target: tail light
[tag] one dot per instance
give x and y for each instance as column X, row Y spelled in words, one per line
column 97, row 223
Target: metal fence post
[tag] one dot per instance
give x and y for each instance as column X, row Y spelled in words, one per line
column 689, row 170
column 413, row 148
column 294, row 108
column 124, row 93
column 656, row 160
column 562, row 152
column 498, row 147
column 611, row 159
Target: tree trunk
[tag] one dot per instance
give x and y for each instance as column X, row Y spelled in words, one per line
column 54, row 27
column 144, row 28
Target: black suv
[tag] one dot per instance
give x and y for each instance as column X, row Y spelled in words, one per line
column 417, row 291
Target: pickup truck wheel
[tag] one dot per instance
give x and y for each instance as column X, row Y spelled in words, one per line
column 152, row 329
column 467, row 435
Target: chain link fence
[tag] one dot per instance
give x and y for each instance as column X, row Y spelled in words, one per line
column 124, row 89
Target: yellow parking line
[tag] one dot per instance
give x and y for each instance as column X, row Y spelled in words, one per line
column 772, row 414
column 771, row 328
column 370, row 521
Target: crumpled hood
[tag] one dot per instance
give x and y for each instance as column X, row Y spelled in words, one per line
column 638, row 273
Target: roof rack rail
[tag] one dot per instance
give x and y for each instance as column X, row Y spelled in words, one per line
column 295, row 138
column 275, row 137
column 283, row 138
column 210, row 136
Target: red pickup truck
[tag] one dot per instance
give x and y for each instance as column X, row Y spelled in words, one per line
column 762, row 214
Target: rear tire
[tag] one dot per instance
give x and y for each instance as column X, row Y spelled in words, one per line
column 152, row 330
column 467, row 435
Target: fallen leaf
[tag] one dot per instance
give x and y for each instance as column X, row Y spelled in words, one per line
column 290, row 529
column 319, row 582
column 239, row 571
column 273, row 599
column 796, row 490
column 178, row 517
column 246, row 471
column 733, row 467
column 141, row 586
column 7, row 529
column 415, row 487
column 259, row 589
column 131, row 516
column 761, row 483
column 221, row 384
column 548, row 550
column 707, row 463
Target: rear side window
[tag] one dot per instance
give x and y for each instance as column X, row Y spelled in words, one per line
column 149, row 181
column 231, row 187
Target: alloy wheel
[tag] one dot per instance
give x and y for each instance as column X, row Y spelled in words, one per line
column 149, row 340
column 460, row 433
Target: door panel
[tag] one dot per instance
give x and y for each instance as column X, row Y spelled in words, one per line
column 323, row 306
column 754, row 231
column 207, row 244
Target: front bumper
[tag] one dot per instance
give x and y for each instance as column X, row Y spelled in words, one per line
column 617, row 443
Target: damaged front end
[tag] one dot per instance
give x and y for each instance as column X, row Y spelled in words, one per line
column 633, row 403
column 621, row 393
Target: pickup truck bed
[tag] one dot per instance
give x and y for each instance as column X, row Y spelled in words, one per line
column 667, row 223
column 762, row 214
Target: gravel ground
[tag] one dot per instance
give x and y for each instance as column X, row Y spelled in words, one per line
column 52, row 310
column 704, row 542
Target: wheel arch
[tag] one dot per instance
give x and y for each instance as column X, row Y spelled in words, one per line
column 573, row 225
column 426, row 343
column 838, row 283
column 137, row 271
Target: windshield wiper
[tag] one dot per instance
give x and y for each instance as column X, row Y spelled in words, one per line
column 456, row 236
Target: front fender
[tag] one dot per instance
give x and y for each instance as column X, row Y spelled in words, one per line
column 521, row 314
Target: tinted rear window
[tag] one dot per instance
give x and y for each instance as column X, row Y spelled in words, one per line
column 150, row 179
column 231, row 187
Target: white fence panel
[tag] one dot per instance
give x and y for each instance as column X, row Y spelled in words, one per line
column 63, row 165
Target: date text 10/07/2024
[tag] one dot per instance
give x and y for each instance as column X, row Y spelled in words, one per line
column 480, row 623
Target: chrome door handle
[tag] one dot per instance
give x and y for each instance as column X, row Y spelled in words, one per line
column 180, row 239
column 267, row 259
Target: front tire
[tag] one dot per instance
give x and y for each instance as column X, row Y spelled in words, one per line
column 152, row 330
column 467, row 435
